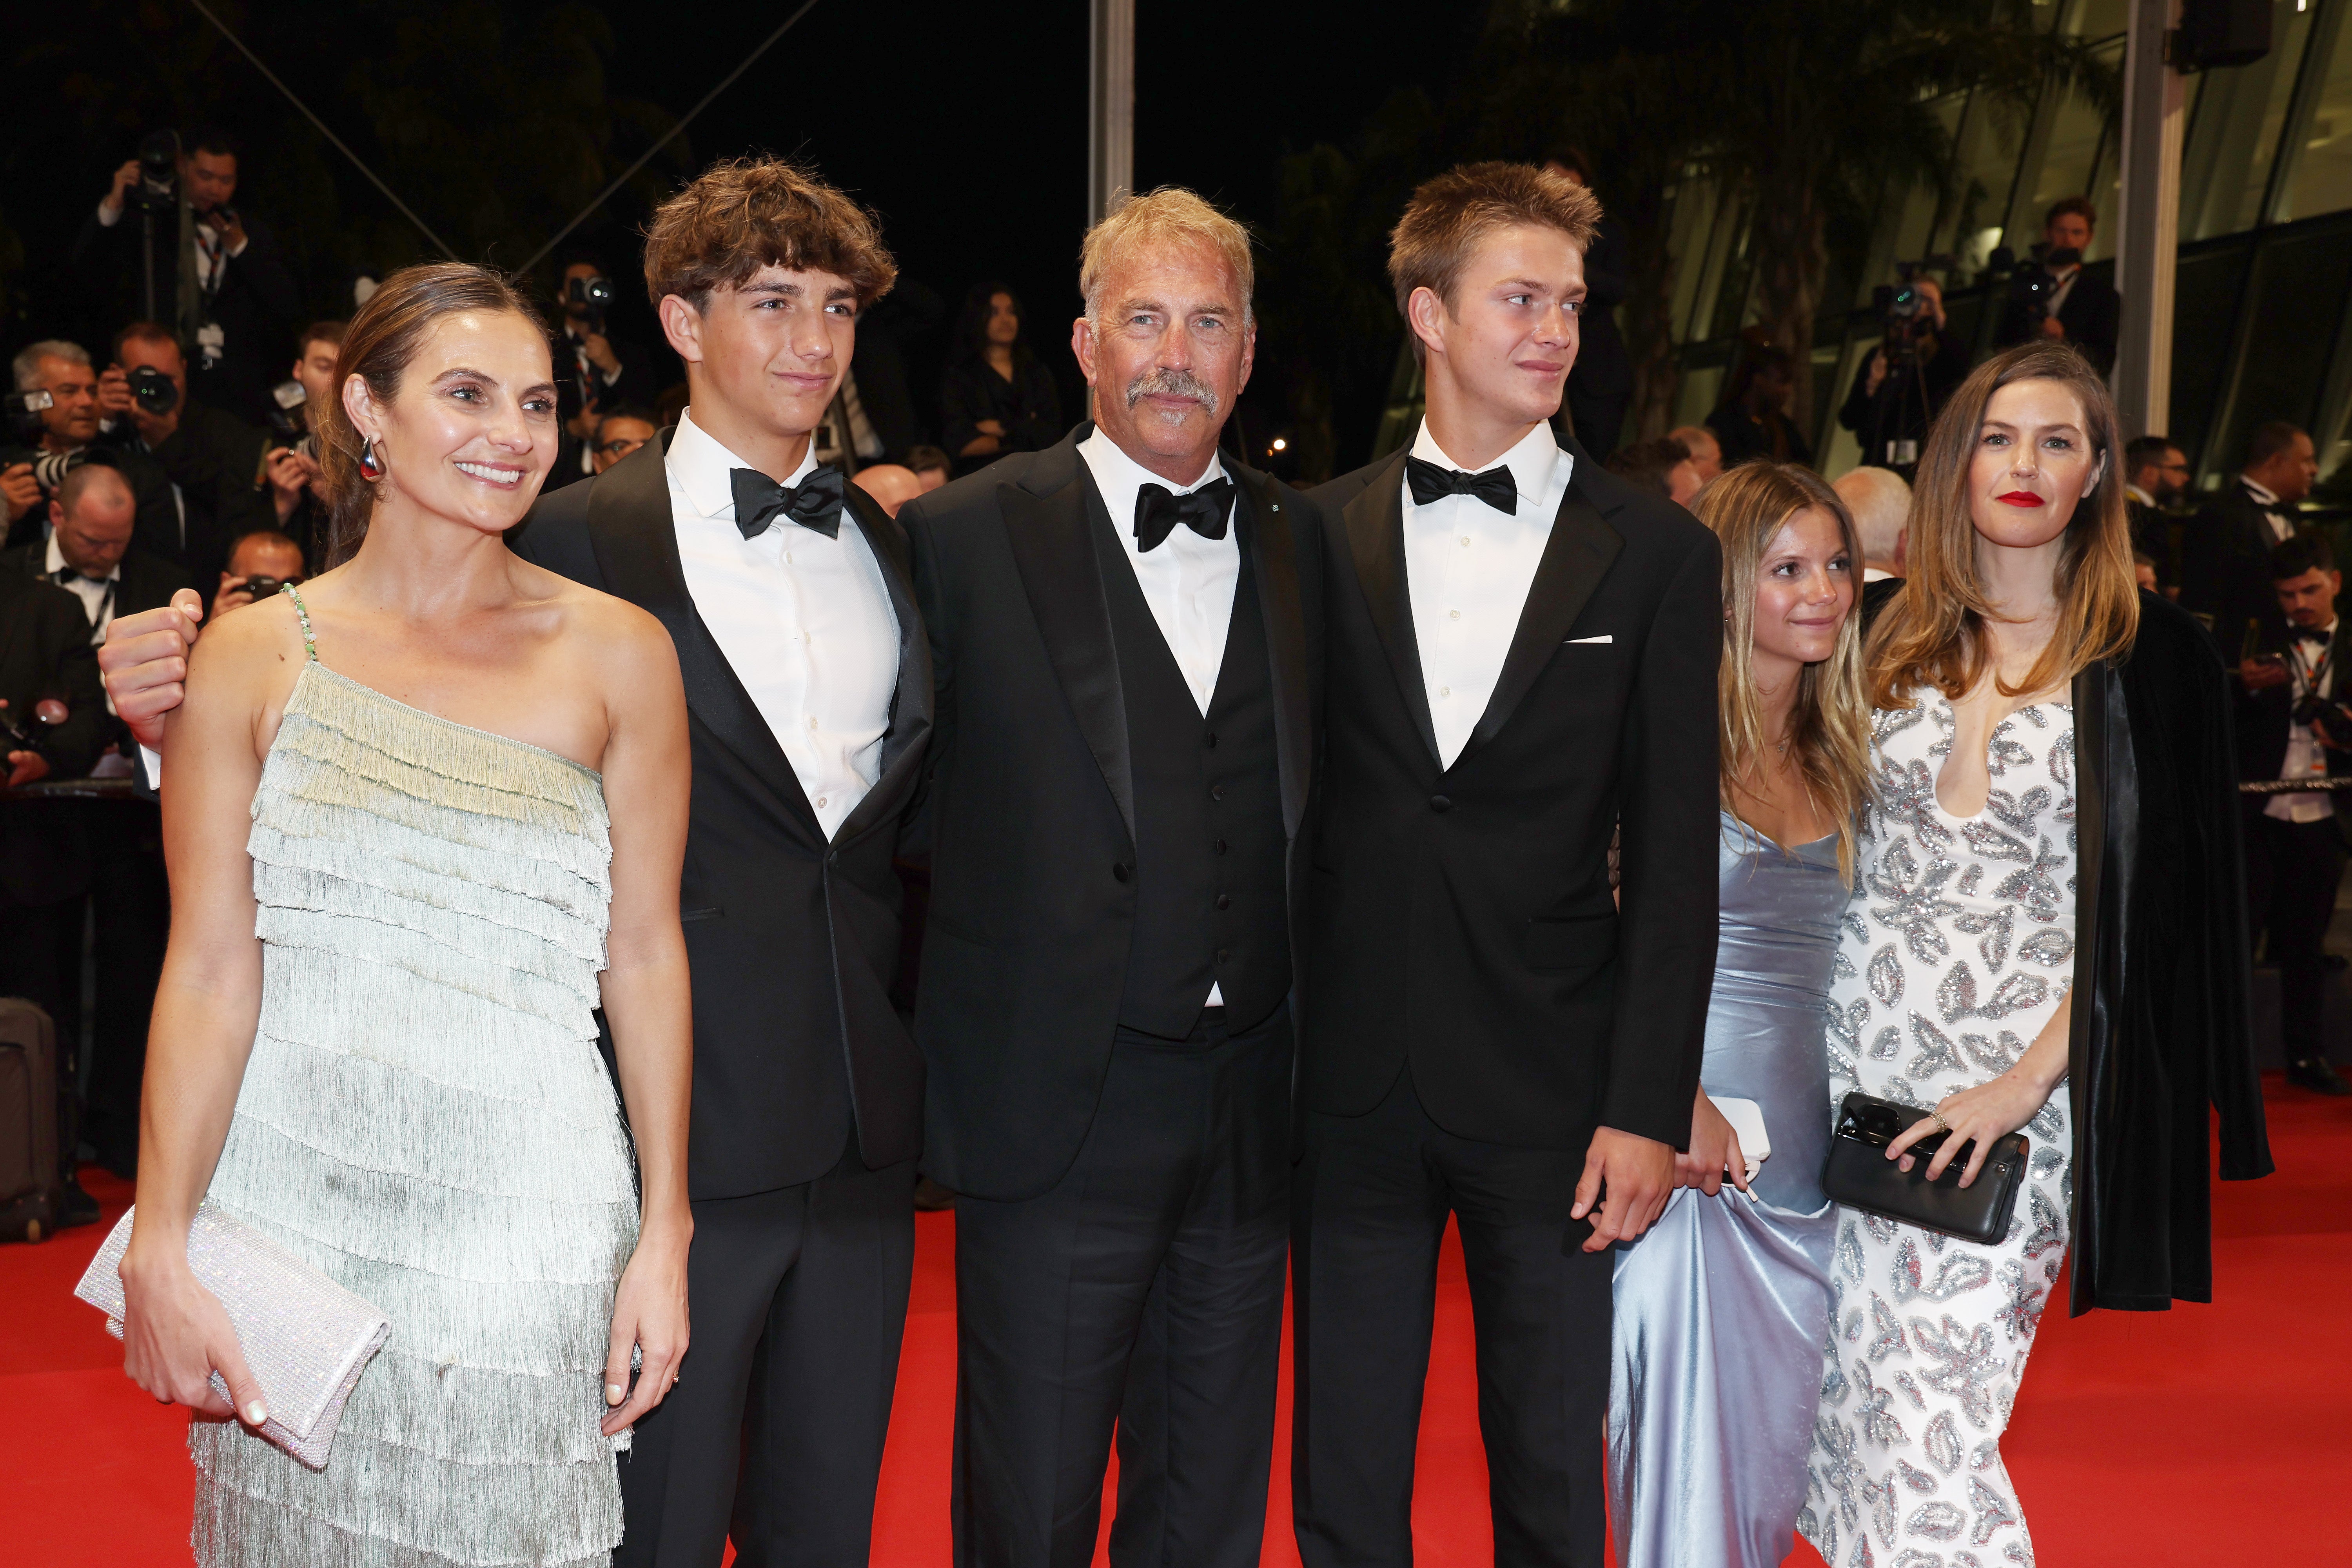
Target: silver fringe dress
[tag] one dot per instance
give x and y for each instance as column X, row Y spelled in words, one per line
column 426, row 1117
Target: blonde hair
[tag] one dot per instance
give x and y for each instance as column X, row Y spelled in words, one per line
column 1829, row 727
column 1450, row 214
column 1169, row 216
column 1933, row 632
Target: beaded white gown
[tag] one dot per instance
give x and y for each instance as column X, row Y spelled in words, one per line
column 426, row 1117
column 1957, row 947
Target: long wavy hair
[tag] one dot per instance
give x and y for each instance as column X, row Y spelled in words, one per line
column 1932, row 634
column 378, row 344
column 1829, row 729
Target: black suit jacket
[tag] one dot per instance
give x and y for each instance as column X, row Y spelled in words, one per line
column 2225, row 569
column 2092, row 316
column 45, row 651
column 2263, row 717
column 1462, row 913
column 215, row 458
column 1032, row 802
column 147, row 583
column 255, row 305
column 792, row 938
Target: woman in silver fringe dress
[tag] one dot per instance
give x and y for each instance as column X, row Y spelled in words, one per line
column 424, row 816
column 2044, row 921
column 1721, row 1306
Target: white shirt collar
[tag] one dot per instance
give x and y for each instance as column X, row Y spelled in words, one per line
column 1120, row 477
column 1531, row 462
column 702, row 468
column 58, row 563
column 2263, row 495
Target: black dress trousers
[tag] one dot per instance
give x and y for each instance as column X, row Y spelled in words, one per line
column 799, row 1302
column 2292, row 869
column 1143, row 1291
column 1369, row 1202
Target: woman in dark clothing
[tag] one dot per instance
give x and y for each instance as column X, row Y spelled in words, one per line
column 1752, row 420
column 995, row 397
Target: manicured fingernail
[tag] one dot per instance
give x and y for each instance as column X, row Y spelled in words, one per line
column 255, row 1413
column 615, row 1393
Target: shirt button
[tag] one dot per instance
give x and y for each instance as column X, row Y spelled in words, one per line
column 819, row 800
column 1466, row 542
column 788, row 557
column 812, row 720
column 1445, row 691
column 1453, row 614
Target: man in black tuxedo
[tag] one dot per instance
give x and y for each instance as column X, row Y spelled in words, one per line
column 2290, row 726
column 220, row 277
column 213, row 458
column 808, row 692
column 1124, row 632
column 89, row 552
column 2155, row 478
column 1522, row 656
column 2225, row 553
column 2083, row 310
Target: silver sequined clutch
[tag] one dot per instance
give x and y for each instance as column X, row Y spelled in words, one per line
column 305, row 1338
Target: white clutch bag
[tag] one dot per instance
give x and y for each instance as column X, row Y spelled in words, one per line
column 305, row 1338
column 1746, row 1118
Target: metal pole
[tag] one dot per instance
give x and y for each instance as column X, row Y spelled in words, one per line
column 1110, row 106
column 2148, row 229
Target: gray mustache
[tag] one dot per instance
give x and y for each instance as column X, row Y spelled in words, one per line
column 1172, row 383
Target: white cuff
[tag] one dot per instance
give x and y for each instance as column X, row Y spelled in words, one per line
column 107, row 219
column 151, row 763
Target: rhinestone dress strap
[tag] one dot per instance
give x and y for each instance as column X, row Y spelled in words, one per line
column 310, row 646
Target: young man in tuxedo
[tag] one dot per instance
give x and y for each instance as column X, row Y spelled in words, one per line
column 1521, row 662
column 808, row 690
column 1124, row 630
column 2226, row 550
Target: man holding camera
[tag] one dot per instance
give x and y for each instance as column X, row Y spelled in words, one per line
column 1911, row 373
column 56, row 414
column 213, row 458
column 2292, row 723
column 218, row 277
column 259, row 564
column 591, row 373
column 2053, row 297
column 290, row 471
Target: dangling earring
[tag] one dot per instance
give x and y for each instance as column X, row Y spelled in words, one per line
column 371, row 466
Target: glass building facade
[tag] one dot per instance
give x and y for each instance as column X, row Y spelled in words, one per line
column 2262, row 316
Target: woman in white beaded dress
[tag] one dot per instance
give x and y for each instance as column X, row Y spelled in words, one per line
column 424, row 816
column 2046, row 935
column 1720, row 1306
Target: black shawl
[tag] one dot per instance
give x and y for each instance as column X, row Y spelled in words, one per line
column 2161, row 1027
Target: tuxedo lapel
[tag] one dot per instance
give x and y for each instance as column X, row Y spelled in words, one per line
column 1575, row 558
column 634, row 536
column 1054, row 549
column 1375, row 525
column 1274, row 561
column 911, row 703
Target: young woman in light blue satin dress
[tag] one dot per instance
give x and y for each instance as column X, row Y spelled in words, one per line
column 1722, row 1307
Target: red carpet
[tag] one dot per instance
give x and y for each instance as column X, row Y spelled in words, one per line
column 2203, row 1434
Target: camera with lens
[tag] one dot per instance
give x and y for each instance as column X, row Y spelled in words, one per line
column 595, row 294
column 2332, row 715
column 1905, row 320
column 24, row 411
column 50, row 469
column 158, row 189
column 287, row 415
column 154, row 391
column 47, row 714
column 261, row 587
column 2033, row 283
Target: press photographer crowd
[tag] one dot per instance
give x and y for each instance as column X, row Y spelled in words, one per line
column 177, row 452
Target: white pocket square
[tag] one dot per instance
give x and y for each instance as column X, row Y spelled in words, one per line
column 1602, row 638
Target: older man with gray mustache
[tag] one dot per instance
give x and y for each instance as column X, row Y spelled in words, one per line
column 1126, row 632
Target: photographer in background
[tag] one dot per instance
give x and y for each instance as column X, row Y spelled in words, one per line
column 213, row 458
column 2156, row 480
column 592, row 372
column 220, row 279
column 622, row 432
column 57, row 390
column 2050, row 296
column 1908, row 376
column 89, row 552
column 290, row 471
column 261, row 563
column 2292, row 723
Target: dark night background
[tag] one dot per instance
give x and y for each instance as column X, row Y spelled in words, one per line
column 964, row 126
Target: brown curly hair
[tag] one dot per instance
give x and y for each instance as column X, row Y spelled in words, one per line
column 749, row 213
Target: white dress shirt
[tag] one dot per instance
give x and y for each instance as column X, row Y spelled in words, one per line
column 1468, row 567
column 2273, row 513
column 1189, row 581
column 96, row 594
column 2305, row 758
column 804, row 621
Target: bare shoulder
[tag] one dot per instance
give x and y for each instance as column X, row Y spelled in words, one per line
column 254, row 651
column 626, row 646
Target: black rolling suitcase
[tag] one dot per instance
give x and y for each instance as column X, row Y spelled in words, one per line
column 29, row 1193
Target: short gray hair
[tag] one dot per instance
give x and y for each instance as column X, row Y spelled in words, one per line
column 1881, row 503
column 28, row 362
column 1168, row 216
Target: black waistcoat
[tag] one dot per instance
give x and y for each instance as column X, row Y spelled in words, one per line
column 1209, row 903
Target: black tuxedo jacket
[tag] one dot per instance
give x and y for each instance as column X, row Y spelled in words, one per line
column 2263, row 717
column 255, row 305
column 1032, row 808
column 45, row 651
column 2225, row 569
column 147, row 581
column 792, row 938
column 1461, row 914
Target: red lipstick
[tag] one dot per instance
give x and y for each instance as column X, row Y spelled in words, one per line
column 2020, row 498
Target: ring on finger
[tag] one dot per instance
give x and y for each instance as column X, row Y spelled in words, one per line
column 1937, row 1118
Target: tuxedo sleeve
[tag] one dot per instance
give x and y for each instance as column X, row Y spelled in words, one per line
column 1668, row 828
column 930, row 598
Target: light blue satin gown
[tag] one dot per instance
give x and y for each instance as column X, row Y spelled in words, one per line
column 1722, row 1307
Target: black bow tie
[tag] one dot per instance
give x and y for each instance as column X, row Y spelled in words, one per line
column 2313, row 634
column 1431, row 483
column 1158, row 511
column 814, row 502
